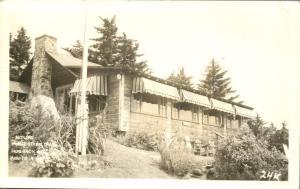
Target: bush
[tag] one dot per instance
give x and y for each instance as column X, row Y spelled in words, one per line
column 21, row 121
column 243, row 157
column 21, row 124
column 177, row 160
column 53, row 162
column 141, row 140
column 97, row 135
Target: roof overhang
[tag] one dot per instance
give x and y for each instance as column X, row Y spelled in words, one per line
column 18, row 87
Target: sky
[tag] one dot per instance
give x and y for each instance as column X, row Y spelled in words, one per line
column 257, row 42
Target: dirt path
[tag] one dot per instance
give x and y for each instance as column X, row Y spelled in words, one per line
column 127, row 163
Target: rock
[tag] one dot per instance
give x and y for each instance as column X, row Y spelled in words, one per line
column 187, row 176
column 44, row 108
column 210, row 172
column 209, row 166
column 197, row 172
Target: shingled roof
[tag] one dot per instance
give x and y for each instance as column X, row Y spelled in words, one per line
column 69, row 61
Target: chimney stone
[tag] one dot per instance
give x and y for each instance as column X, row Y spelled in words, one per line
column 42, row 67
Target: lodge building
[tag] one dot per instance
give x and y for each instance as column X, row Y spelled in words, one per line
column 131, row 101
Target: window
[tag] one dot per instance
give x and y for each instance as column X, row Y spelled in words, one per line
column 205, row 117
column 185, row 112
column 212, row 117
column 175, row 111
column 13, row 96
column 162, row 107
column 149, row 104
column 135, row 103
column 228, row 122
column 96, row 103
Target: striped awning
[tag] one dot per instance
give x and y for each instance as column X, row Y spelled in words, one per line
column 18, row 87
column 144, row 85
column 222, row 106
column 193, row 98
column 243, row 112
column 95, row 85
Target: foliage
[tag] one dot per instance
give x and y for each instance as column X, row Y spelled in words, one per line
column 111, row 49
column 18, row 53
column 215, row 84
column 105, row 49
column 21, row 121
column 177, row 160
column 76, row 50
column 128, row 55
column 53, row 162
column 65, row 132
column 256, row 125
column 243, row 157
column 142, row 140
column 97, row 135
column 273, row 137
column 280, row 137
column 181, row 78
column 57, row 139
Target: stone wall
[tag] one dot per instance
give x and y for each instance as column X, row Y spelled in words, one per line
column 42, row 67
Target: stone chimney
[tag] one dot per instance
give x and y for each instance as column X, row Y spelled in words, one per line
column 42, row 67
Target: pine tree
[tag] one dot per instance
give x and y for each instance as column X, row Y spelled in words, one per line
column 256, row 126
column 215, row 84
column 127, row 49
column 281, row 137
column 76, row 50
column 105, row 49
column 181, row 78
column 19, row 53
column 112, row 50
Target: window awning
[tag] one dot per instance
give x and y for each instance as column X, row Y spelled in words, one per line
column 193, row 98
column 222, row 106
column 144, row 85
column 95, row 85
column 18, row 87
column 244, row 112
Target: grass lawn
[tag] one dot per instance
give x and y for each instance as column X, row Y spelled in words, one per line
column 125, row 162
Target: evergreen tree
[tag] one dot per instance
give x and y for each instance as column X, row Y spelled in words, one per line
column 76, row 50
column 181, row 78
column 127, row 49
column 105, row 49
column 268, row 134
column 256, row 126
column 112, row 50
column 19, row 53
column 281, row 137
column 215, row 84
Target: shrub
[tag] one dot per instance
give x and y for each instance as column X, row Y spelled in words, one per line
column 177, row 160
column 141, row 140
column 97, row 135
column 243, row 157
column 53, row 162
column 21, row 123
